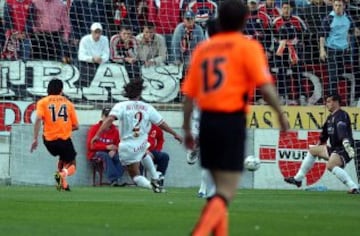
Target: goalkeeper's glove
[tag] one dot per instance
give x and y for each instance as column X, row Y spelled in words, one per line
column 350, row 150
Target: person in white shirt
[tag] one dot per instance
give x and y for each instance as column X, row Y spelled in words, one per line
column 135, row 118
column 93, row 51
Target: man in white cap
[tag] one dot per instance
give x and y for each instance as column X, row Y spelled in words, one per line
column 93, row 51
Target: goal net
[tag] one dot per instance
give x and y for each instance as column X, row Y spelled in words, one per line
column 153, row 40
column 38, row 43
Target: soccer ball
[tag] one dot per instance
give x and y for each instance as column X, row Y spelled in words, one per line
column 252, row 163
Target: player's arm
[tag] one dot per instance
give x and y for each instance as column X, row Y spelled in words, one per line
column 270, row 96
column 164, row 126
column 324, row 134
column 342, row 127
column 73, row 117
column 37, row 126
column 188, row 109
column 105, row 125
column 262, row 77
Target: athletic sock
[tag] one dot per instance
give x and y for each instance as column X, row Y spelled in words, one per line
column 141, row 181
column 63, row 175
column 149, row 166
column 202, row 188
column 222, row 228
column 344, row 177
column 69, row 170
column 306, row 165
column 212, row 215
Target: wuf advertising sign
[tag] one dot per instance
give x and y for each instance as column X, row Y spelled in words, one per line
column 281, row 156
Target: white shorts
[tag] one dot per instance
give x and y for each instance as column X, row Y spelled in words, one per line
column 132, row 151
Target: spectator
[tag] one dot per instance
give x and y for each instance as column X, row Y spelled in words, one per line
column 152, row 47
column 186, row 36
column 354, row 9
column 204, row 10
column 270, row 8
column 258, row 26
column 120, row 14
column 288, row 31
column 93, row 51
column 82, row 14
column 106, row 148
column 313, row 14
column 51, row 29
column 334, row 43
column 2, row 35
column 160, row 158
column 18, row 26
column 123, row 48
column 166, row 16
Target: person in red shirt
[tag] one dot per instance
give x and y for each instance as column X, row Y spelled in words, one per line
column 18, row 18
column 160, row 158
column 106, row 148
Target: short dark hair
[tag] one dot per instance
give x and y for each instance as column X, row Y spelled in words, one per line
column 149, row 25
column 105, row 111
column 134, row 88
column 212, row 26
column 55, row 87
column 290, row 3
column 335, row 97
column 232, row 15
column 125, row 26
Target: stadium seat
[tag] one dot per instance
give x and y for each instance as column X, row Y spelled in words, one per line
column 97, row 165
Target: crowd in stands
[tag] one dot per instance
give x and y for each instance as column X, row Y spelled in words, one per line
column 136, row 33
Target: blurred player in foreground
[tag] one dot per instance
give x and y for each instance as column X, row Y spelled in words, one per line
column 223, row 74
column 135, row 119
column 59, row 119
column 207, row 187
column 337, row 128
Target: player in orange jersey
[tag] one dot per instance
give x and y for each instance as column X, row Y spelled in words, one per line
column 223, row 74
column 59, row 119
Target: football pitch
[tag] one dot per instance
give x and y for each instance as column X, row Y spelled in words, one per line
column 134, row 211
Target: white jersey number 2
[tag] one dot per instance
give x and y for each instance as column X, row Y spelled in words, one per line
column 138, row 118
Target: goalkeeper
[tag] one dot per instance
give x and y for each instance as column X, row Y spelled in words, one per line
column 337, row 128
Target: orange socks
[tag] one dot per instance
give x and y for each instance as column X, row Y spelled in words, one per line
column 69, row 171
column 213, row 218
column 221, row 229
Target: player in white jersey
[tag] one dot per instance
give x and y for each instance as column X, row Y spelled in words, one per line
column 135, row 118
column 207, row 187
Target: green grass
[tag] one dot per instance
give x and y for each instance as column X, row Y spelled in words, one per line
column 134, row 211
